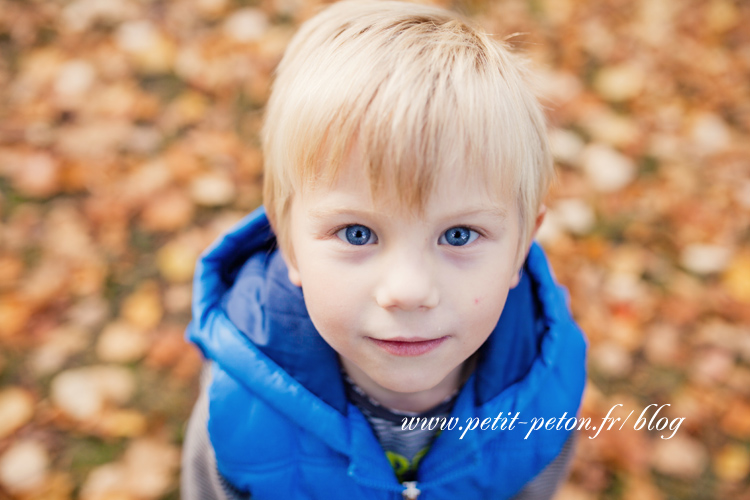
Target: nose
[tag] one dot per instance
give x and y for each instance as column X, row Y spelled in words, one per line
column 407, row 283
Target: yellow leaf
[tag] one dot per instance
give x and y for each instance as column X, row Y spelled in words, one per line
column 143, row 308
column 16, row 409
column 736, row 278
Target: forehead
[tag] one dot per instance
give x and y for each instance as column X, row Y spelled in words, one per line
column 452, row 190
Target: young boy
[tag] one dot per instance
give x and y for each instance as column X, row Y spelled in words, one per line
column 385, row 327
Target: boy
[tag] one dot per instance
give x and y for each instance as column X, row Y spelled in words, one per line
column 385, row 326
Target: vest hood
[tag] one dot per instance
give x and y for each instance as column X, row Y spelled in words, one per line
column 252, row 323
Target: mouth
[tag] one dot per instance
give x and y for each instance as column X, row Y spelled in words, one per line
column 408, row 347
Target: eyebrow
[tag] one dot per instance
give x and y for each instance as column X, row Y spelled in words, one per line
column 495, row 211
column 322, row 213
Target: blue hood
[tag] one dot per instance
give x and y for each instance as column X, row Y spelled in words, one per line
column 253, row 324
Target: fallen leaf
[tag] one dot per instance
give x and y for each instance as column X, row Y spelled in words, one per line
column 11, row 269
column 107, row 482
column 152, row 51
column 640, row 488
column 168, row 348
column 178, row 298
column 736, row 421
column 611, row 359
column 38, row 176
column 61, row 344
column 150, row 464
column 575, row 215
column 23, row 466
column 711, row 366
column 89, row 312
column 16, row 409
column 662, row 345
column 145, row 472
column 120, row 342
column 177, row 261
column 122, row 423
column 606, row 169
column 732, row 463
column 81, row 14
column 722, row 16
column 168, row 212
column 705, row 259
column 212, row 8
column 143, row 309
column 212, row 190
column 82, row 393
column 621, row 82
column 14, row 314
column 680, row 456
column 246, row 25
column 566, row 145
column 74, row 79
column 189, row 365
column 607, row 127
column 736, row 277
column 709, row 134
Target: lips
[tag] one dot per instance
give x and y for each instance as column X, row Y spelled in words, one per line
column 408, row 347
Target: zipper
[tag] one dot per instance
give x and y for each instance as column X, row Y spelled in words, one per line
column 411, row 492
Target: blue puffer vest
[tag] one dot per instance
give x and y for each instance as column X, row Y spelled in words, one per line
column 280, row 423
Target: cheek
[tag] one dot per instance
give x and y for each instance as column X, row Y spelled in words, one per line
column 486, row 299
column 331, row 299
column 485, row 286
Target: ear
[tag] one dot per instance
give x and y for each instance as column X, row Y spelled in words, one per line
column 291, row 265
column 537, row 224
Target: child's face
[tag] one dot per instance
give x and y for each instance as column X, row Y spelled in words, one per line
column 403, row 299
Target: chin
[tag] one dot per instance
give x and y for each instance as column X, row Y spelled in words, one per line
column 409, row 383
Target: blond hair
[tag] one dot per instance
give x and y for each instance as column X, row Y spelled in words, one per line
column 421, row 91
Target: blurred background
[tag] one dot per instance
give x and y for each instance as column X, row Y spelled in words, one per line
column 129, row 141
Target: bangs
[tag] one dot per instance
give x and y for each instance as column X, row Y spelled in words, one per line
column 443, row 126
column 418, row 92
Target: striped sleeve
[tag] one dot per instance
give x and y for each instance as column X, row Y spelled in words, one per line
column 545, row 485
column 200, row 479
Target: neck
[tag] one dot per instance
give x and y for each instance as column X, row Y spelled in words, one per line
column 415, row 402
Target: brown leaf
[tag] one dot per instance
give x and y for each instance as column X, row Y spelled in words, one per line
column 14, row 314
column 736, row 421
column 168, row 348
column 168, row 211
column 38, row 176
column 61, row 343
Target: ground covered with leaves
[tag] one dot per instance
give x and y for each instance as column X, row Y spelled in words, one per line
column 128, row 142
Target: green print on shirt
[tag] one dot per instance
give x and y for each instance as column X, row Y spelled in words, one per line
column 402, row 466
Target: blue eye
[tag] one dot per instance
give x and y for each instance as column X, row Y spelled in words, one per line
column 357, row 234
column 458, row 236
